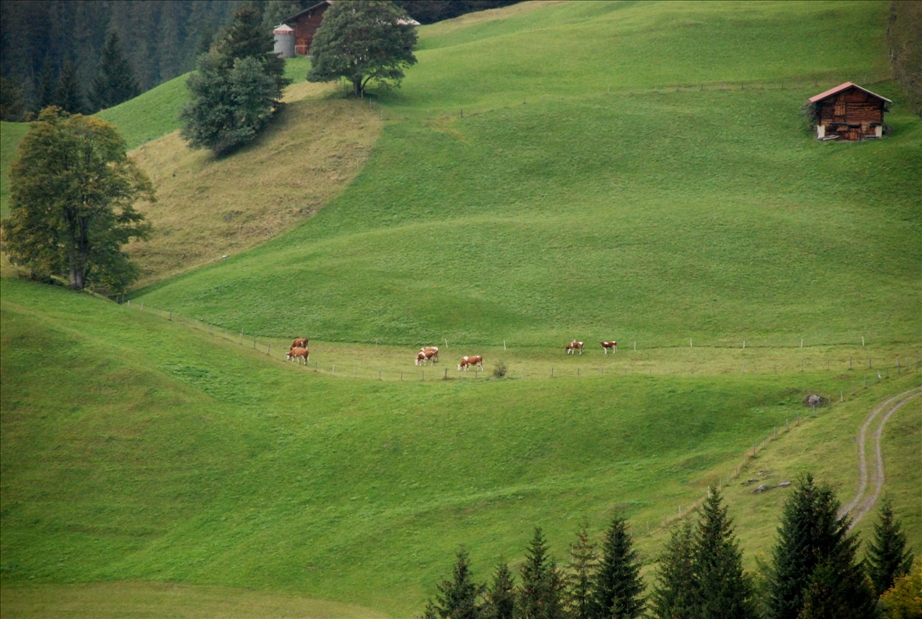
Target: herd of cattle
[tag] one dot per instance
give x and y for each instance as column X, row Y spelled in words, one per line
column 300, row 352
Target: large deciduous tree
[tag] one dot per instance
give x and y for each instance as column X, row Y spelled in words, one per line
column 237, row 88
column 368, row 41
column 116, row 81
column 72, row 195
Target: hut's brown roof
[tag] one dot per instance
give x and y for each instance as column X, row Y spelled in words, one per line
column 307, row 10
column 842, row 87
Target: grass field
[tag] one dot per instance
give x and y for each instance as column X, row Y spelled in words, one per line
column 624, row 171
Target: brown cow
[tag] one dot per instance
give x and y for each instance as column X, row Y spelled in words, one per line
column 606, row 345
column 300, row 342
column 468, row 361
column 573, row 346
column 432, row 353
column 427, row 353
column 299, row 353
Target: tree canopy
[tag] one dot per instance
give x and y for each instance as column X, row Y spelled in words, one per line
column 72, row 195
column 363, row 42
column 237, row 88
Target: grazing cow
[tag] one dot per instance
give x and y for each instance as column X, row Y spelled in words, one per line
column 300, row 342
column 299, row 353
column 468, row 361
column 432, row 352
column 612, row 345
column 573, row 346
column 421, row 358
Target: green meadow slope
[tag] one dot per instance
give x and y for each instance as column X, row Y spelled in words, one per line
column 609, row 178
column 649, row 216
column 135, row 448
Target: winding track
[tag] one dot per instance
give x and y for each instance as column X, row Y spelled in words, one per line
column 862, row 504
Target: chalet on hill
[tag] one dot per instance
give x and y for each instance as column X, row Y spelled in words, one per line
column 849, row 112
column 305, row 25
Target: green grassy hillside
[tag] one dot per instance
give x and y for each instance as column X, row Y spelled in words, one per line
column 136, row 448
column 675, row 206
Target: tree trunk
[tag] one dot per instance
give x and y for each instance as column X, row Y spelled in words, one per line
column 357, row 88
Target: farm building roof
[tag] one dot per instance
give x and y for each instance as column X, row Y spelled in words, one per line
column 307, row 10
column 842, row 87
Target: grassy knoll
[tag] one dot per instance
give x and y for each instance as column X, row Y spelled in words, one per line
column 208, row 207
column 143, row 449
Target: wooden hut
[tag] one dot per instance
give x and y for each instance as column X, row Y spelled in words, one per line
column 849, row 112
column 305, row 25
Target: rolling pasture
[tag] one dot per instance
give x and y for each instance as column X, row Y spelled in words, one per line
column 624, row 171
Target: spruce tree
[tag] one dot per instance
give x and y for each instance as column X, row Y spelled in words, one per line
column 499, row 601
column 839, row 588
column 674, row 595
column 723, row 589
column 459, row 597
column 618, row 587
column 47, row 85
column 11, row 109
column 887, row 557
column 68, row 96
column 580, row 592
column 116, row 81
column 810, row 535
column 539, row 593
column 246, row 37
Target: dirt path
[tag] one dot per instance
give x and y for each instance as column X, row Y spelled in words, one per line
column 864, row 501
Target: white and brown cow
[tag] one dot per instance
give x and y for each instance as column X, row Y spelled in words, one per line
column 573, row 346
column 469, row 360
column 427, row 353
column 299, row 353
column 613, row 346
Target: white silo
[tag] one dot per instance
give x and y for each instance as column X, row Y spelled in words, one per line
column 284, row 41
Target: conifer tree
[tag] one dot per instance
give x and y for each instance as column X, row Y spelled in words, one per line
column 539, row 593
column 810, row 535
column 11, row 108
column 580, row 592
column 68, row 96
column 724, row 591
column 839, row 588
column 236, row 90
column 116, row 81
column 47, row 85
column 888, row 558
column 618, row 587
column 459, row 597
column 674, row 594
column 500, row 597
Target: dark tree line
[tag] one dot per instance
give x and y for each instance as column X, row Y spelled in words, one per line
column 814, row 572
column 160, row 39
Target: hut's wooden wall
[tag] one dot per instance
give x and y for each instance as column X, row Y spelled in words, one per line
column 305, row 27
column 851, row 114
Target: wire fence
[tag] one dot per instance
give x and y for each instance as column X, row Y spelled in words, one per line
column 856, row 370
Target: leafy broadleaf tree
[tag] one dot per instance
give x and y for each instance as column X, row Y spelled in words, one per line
column 904, row 599
column 68, row 96
column 116, row 81
column 812, row 535
column 363, row 42
column 618, row 587
column 459, row 597
column 236, row 89
column 72, row 195
column 724, row 590
column 674, row 595
column 540, row 592
column 580, row 571
column 499, row 602
column 887, row 556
